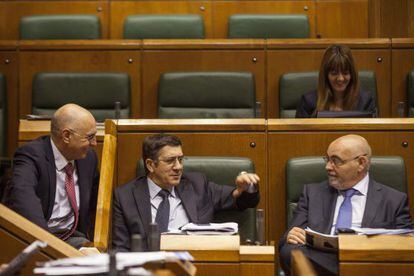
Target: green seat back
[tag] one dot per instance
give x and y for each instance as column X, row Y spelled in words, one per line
column 268, row 26
column 222, row 170
column 95, row 91
column 3, row 115
column 60, row 27
column 293, row 85
column 206, row 95
column 410, row 93
column 164, row 26
column 388, row 170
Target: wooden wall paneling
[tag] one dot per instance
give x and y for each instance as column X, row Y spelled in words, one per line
column 254, row 269
column 92, row 59
column 374, row 18
column 402, row 64
column 222, row 10
column 11, row 11
column 306, row 143
column 9, row 68
column 208, row 269
column 121, row 9
column 156, row 62
column 397, row 18
column 342, row 19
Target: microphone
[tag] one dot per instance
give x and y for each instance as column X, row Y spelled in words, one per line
column 260, row 229
column 136, row 243
column 117, row 110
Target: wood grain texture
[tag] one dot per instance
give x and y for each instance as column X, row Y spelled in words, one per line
column 397, row 18
column 119, row 61
column 342, row 19
column 224, row 9
column 121, row 9
column 158, row 62
column 254, row 269
column 375, row 269
column 12, row 11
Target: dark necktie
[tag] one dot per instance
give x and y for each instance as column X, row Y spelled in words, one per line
column 344, row 219
column 70, row 191
column 163, row 212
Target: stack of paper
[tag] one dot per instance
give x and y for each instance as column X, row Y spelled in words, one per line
column 381, row 231
column 100, row 263
column 228, row 228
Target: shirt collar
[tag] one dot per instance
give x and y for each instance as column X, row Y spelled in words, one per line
column 60, row 160
column 362, row 186
column 154, row 189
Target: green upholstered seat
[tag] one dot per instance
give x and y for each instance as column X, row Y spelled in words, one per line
column 268, row 26
column 388, row 170
column 410, row 93
column 164, row 26
column 293, row 85
column 95, row 91
column 3, row 115
column 222, row 170
column 206, row 95
column 70, row 26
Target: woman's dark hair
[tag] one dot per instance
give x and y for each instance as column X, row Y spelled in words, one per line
column 152, row 145
column 337, row 58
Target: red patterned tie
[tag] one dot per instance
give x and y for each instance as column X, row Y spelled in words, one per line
column 70, row 190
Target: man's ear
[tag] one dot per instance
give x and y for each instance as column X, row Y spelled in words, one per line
column 363, row 163
column 66, row 135
column 149, row 164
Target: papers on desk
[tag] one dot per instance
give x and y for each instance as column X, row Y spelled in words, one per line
column 100, row 263
column 382, row 231
column 321, row 241
column 228, row 228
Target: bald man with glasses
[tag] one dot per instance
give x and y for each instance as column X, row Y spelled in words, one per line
column 55, row 179
column 171, row 198
column 349, row 198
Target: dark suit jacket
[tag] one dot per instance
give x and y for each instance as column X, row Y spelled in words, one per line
column 307, row 104
column 33, row 184
column 385, row 208
column 200, row 198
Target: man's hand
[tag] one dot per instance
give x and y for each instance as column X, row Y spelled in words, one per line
column 296, row 236
column 243, row 182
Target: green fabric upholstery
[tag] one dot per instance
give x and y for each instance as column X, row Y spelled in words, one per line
column 3, row 115
column 69, row 26
column 206, row 95
column 293, row 85
column 388, row 170
column 410, row 93
column 268, row 26
column 222, row 170
column 95, row 91
column 164, row 26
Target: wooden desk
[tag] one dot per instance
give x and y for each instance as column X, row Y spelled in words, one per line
column 376, row 255
column 220, row 255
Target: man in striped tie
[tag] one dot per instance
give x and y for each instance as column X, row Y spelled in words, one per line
column 55, row 179
column 349, row 198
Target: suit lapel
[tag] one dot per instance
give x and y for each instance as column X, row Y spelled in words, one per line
column 51, row 170
column 373, row 203
column 186, row 193
column 142, row 200
column 329, row 203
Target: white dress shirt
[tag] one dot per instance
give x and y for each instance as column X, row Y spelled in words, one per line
column 358, row 201
column 178, row 216
column 62, row 215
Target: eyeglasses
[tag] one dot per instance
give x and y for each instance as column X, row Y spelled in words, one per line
column 337, row 162
column 171, row 161
column 90, row 137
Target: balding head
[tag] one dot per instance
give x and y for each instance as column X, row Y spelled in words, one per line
column 350, row 157
column 69, row 121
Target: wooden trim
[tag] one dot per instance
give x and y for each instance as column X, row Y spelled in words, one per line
column 402, row 43
column 185, row 44
column 358, row 43
column 101, row 44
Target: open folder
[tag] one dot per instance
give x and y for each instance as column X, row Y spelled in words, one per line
column 227, row 228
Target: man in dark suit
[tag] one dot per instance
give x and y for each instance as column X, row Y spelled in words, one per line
column 349, row 198
column 55, row 179
column 169, row 197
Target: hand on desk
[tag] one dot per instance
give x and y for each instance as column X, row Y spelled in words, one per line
column 243, row 181
column 296, row 236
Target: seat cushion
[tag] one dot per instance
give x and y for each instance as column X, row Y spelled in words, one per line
column 60, row 27
column 97, row 92
column 268, row 26
column 410, row 93
column 206, row 95
column 164, row 26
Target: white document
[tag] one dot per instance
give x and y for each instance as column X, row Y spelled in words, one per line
column 227, row 228
column 321, row 241
column 382, row 231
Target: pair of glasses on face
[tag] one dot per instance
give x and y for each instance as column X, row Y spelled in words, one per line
column 337, row 162
column 171, row 161
column 89, row 138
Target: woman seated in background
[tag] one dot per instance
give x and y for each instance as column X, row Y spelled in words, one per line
column 338, row 87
